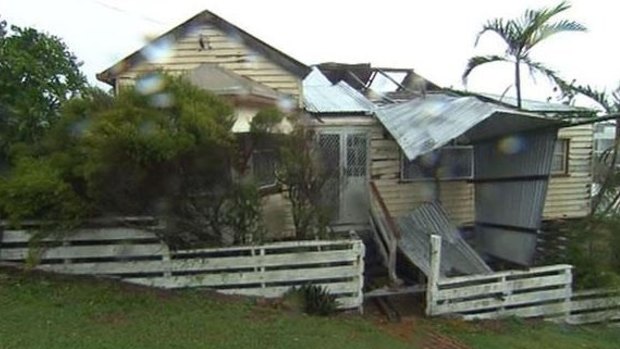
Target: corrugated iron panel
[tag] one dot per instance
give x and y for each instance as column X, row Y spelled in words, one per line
column 508, row 244
column 322, row 97
column 511, row 185
column 515, row 155
column 457, row 256
column 427, row 123
column 517, row 204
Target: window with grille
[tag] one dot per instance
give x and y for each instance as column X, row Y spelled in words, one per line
column 264, row 165
column 449, row 163
column 559, row 165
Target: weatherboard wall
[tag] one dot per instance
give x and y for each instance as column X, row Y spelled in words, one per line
column 569, row 196
column 403, row 196
column 221, row 49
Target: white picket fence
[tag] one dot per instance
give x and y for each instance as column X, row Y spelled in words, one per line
column 537, row 292
column 138, row 256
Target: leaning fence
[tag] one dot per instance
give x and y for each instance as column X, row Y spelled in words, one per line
column 536, row 292
column 138, row 256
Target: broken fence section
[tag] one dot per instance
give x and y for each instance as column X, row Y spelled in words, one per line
column 536, row 292
column 138, row 256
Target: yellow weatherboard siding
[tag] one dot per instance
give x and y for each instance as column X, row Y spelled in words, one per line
column 221, row 49
column 568, row 196
column 401, row 197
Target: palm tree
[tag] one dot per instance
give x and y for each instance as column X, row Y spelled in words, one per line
column 521, row 35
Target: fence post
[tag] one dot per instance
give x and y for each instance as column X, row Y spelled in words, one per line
column 166, row 259
column 262, row 268
column 361, row 248
column 568, row 289
column 434, row 274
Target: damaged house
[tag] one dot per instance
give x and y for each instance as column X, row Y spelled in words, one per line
column 413, row 158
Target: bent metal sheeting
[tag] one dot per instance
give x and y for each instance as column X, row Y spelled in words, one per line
column 320, row 96
column 427, row 123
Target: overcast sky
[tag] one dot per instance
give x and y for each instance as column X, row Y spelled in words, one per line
column 434, row 37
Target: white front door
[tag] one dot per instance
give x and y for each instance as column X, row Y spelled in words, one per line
column 347, row 194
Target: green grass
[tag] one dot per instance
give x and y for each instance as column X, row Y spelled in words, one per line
column 39, row 311
column 527, row 334
column 44, row 312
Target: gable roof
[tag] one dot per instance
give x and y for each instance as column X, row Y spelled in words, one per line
column 285, row 61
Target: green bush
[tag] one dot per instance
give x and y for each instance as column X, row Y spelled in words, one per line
column 317, row 300
column 36, row 190
column 593, row 248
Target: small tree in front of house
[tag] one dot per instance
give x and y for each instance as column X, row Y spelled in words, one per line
column 305, row 175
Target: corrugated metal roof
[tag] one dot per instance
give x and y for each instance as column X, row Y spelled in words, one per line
column 532, row 105
column 427, row 123
column 322, row 97
column 431, row 219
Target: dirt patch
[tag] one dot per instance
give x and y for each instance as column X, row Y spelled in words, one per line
column 434, row 340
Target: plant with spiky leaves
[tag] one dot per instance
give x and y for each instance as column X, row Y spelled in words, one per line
column 521, row 35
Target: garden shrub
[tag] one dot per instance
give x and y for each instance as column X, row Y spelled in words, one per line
column 36, row 190
column 317, row 300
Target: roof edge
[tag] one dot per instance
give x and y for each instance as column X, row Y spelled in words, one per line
column 287, row 62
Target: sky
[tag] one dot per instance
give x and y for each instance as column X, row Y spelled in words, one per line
column 435, row 37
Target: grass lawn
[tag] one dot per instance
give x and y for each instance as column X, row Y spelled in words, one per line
column 39, row 311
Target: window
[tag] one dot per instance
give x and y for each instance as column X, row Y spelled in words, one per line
column 559, row 165
column 264, row 164
column 449, row 162
column 601, row 145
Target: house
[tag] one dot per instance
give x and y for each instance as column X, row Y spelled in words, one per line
column 395, row 137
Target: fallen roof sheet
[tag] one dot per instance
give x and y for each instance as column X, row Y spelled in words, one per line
column 424, row 124
column 457, row 256
column 322, row 97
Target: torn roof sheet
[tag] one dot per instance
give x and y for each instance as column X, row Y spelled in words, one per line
column 424, row 124
column 535, row 106
column 321, row 96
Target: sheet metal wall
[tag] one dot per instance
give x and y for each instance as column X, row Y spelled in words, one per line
column 511, row 179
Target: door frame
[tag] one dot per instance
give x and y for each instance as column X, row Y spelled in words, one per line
column 342, row 132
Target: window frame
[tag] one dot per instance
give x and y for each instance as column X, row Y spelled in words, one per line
column 565, row 158
column 252, row 170
column 404, row 159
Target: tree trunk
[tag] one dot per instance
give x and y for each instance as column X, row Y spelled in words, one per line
column 518, row 81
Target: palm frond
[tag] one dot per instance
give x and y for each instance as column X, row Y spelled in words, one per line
column 599, row 97
column 534, row 28
column 505, row 29
column 548, row 30
column 549, row 73
column 570, row 89
column 477, row 61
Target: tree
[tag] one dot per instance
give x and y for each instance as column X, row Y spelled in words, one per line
column 606, row 172
column 37, row 74
column 521, row 35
